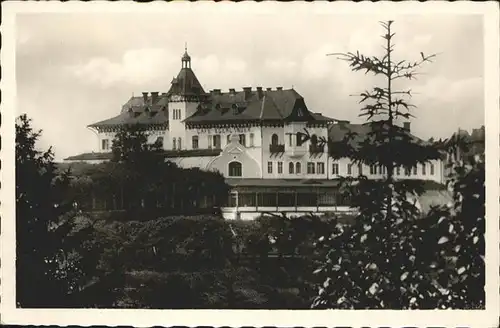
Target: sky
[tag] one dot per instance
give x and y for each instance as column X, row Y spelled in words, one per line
column 74, row 69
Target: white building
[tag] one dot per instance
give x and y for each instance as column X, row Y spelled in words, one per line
column 251, row 137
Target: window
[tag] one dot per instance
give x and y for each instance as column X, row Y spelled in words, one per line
column 335, row 168
column 251, row 139
column 234, row 169
column 269, row 167
column 242, row 139
column 290, row 139
column 216, row 141
column 349, row 169
column 105, row 144
column 179, row 144
column 280, row 167
column 297, row 168
column 174, row 144
column 407, row 171
column 290, row 168
column 209, row 142
column 432, row 169
column 314, row 139
column 424, row 165
column 373, row 169
column 228, row 139
column 321, row 168
column 195, row 142
column 381, row 169
column 398, row 170
column 415, row 170
column 310, row 168
column 274, row 139
column 360, row 169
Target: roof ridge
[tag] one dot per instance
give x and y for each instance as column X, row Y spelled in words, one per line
column 262, row 106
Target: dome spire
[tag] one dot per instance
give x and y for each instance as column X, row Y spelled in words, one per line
column 186, row 59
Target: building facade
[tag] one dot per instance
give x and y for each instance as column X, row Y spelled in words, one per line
column 251, row 136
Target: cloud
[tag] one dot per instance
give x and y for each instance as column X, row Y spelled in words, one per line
column 137, row 66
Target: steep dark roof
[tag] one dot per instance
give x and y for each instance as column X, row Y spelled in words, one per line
column 254, row 105
column 186, row 84
column 147, row 115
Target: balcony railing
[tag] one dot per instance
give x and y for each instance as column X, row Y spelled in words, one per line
column 316, row 149
column 276, row 148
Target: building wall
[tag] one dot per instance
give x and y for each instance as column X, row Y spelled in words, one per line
column 152, row 135
column 376, row 173
column 235, row 152
column 108, row 136
column 177, row 127
column 280, row 161
column 205, row 137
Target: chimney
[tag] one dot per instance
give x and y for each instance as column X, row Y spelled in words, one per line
column 279, row 88
column 248, row 92
column 406, row 126
column 232, row 91
column 154, row 97
column 216, row 91
column 259, row 92
column 145, row 97
column 269, row 89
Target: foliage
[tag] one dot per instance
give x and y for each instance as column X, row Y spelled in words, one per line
column 130, row 146
column 54, row 259
column 390, row 258
column 210, row 262
column 140, row 181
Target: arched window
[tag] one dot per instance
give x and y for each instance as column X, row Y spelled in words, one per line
column 274, row 139
column 314, row 139
column 290, row 168
column 234, row 169
column 297, row 168
column 174, row 144
column 159, row 141
column 179, row 146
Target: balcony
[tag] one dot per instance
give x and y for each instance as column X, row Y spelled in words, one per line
column 296, row 151
column 315, row 149
column 276, row 149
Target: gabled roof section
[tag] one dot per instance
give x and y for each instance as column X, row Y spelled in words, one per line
column 299, row 112
column 253, row 106
column 145, row 110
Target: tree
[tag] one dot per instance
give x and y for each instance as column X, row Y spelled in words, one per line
column 131, row 147
column 54, row 259
column 369, row 265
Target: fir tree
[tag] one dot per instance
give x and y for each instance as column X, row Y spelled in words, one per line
column 54, row 258
column 382, row 260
